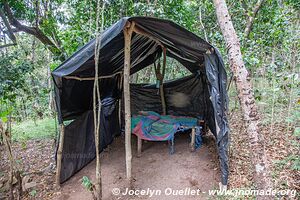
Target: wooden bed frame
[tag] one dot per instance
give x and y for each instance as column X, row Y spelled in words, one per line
column 192, row 143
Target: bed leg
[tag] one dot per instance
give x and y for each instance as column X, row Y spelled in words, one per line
column 193, row 139
column 139, row 146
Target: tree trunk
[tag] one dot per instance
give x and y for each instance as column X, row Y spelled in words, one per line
column 14, row 171
column 49, row 85
column 246, row 97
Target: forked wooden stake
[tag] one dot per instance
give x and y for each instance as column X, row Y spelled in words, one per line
column 161, row 86
column 127, row 38
column 139, row 146
column 138, row 30
column 193, row 138
column 59, row 154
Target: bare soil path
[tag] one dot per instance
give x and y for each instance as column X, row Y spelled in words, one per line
column 156, row 170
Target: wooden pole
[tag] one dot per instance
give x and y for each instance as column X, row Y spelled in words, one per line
column 120, row 101
column 139, row 146
column 7, row 142
column 161, row 86
column 59, row 154
column 160, row 76
column 127, row 39
column 193, row 139
column 97, row 101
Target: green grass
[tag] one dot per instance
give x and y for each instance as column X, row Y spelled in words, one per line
column 27, row 130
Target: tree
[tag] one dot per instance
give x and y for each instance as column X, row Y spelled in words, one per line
column 246, row 97
column 8, row 15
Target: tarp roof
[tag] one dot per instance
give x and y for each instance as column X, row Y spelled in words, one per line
column 181, row 44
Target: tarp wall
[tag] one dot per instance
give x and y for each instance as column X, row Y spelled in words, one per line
column 193, row 88
column 79, row 141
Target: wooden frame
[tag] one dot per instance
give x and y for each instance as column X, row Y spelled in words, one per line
column 139, row 146
column 192, row 144
column 128, row 29
column 193, row 139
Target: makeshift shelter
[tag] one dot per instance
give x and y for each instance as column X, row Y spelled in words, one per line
column 151, row 39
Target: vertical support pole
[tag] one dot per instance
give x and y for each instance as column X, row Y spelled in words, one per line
column 59, row 154
column 193, row 139
column 120, row 102
column 139, row 146
column 120, row 112
column 127, row 37
column 161, row 86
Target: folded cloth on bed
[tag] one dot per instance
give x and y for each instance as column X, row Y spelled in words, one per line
column 155, row 127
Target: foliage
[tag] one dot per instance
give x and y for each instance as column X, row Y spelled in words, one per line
column 271, row 54
column 87, row 184
column 26, row 130
column 23, row 78
column 33, row 193
column 12, row 75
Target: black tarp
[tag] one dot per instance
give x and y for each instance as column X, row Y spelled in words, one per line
column 198, row 105
column 206, row 87
column 79, row 142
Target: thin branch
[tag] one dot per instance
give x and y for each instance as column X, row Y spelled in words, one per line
column 245, row 7
column 251, row 18
column 202, row 25
column 97, row 100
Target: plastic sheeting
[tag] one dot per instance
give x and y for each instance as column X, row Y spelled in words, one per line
column 207, row 86
column 194, row 88
column 79, row 142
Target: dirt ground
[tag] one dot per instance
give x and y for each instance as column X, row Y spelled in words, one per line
column 156, row 169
